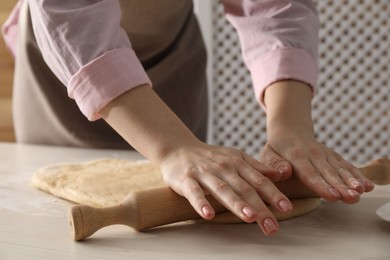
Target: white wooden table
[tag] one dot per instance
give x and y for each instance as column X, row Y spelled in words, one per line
column 33, row 224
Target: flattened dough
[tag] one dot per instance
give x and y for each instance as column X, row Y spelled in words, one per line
column 106, row 182
column 99, row 183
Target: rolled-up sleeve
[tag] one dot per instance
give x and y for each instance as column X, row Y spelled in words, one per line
column 9, row 29
column 279, row 40
column 85, row 47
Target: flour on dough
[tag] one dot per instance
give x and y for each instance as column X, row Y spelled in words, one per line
column 99, row 183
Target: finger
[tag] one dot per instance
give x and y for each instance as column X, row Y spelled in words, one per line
column 367, row 184
column 245, row 191
column 273, row 161
column 354, row 178
column 312, row 178
column 224, row 193
column 194, row 193
column 272, row 174
column 250, row 195
column 334, row 179
column 266, row 189
column 350, row 179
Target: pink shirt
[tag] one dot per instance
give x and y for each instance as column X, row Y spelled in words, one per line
column 279, row 40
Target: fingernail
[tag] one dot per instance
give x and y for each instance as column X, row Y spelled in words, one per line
column 285, row 206
column 269, row 225
column 353, row 193
column 282, row 169
column 248, row 212
column 334, row 192
column 356, row 184
column 207, row 211
column 369, row 184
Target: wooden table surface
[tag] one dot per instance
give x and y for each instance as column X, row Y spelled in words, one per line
column 33, row 224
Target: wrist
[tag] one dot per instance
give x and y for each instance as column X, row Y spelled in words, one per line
column 289, row 109
column 277, row 131
column 278, row 127
column 172, row 149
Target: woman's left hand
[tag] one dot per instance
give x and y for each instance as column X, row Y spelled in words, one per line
column 319, row 168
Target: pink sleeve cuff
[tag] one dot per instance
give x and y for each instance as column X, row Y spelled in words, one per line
column 100, row 81
column 10, row 28
column 281, row 64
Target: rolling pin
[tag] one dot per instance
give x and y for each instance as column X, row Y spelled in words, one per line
column 160, row 206
column 140, row 210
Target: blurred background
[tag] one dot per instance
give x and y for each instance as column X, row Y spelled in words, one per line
column 6, row 75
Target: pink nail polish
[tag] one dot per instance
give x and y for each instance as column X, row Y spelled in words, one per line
column 207, row 211
column 283, row 169
column 269, row 225
column 248, row 212
column 356, row 184
column 353, row 193
column 285, row 206
column 369, row 184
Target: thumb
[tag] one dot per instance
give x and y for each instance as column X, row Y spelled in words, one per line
column 272, row 160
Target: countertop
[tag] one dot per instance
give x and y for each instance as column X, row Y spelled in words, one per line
column 33, row 224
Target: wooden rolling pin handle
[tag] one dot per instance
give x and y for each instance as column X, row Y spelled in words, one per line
column 85, row 220
column 378, row 171
column 140, row 210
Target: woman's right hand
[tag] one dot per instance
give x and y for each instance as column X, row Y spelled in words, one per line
column 232, row 177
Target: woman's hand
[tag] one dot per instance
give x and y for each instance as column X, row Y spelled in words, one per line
column 292, row 147
column 320, row 169
column 232, row 177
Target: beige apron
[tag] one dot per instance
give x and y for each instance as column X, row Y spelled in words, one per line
column 169, row 44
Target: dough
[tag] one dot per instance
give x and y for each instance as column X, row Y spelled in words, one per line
column 106, row 182
column 98, row 183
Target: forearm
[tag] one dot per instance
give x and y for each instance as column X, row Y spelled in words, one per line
column 147, row 123
column 288, row 108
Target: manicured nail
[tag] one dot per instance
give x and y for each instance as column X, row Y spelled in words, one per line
column 248, row 212
column 269, row 225
column 353, row 193
column 282, row 169
column 285, row 206
column 207, row 211
column 369, row 184
column 334, row 192
column 356, row 184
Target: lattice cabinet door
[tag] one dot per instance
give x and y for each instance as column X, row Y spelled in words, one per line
column 351, row 109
